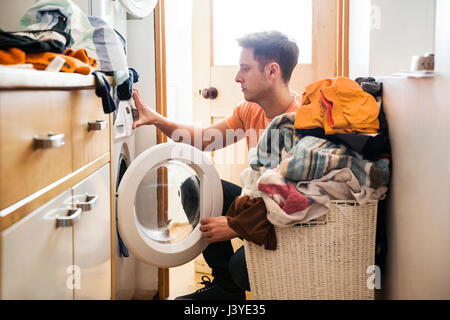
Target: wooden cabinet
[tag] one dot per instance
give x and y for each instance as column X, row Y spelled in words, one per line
column 26, row 116
column 55, row 160
column 44, row 258
column 90, row 134
column 29, row 115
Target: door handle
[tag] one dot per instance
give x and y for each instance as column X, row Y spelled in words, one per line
column 98, row 125
column 88, row 203
column 209, row 93
column 51, row 141
column 71, row 216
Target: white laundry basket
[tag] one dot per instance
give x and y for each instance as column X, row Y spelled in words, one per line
column 321, row 260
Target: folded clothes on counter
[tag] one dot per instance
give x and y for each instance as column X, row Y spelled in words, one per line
column 74, row 61
column 35, row 41
column 97, row 37
column 61, row 15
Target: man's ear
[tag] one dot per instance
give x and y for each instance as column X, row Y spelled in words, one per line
column 273, row 70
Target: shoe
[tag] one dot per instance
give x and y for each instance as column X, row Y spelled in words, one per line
column 212, row 291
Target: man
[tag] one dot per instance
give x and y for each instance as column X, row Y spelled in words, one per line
column 266, row 64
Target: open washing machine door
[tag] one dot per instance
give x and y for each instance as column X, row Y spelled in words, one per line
column 163, row 195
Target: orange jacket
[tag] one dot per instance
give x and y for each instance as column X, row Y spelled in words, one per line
column 12, row 56
column 338, row 106
column 75, row 61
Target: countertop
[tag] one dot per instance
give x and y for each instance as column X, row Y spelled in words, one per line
column 23, row 78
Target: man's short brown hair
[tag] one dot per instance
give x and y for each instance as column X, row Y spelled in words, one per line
column 272, row 46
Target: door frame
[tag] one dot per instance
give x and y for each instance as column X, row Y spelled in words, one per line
column 161, row 108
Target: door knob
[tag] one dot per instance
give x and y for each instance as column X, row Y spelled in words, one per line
column 210, row 93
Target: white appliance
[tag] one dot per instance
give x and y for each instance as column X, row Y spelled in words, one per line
column 130, row 274
column 124, row 154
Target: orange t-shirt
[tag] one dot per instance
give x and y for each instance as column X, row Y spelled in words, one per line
column 250, row 117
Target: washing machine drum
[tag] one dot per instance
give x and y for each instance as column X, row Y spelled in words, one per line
column 163, row 195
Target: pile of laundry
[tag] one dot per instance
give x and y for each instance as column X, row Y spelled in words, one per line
column 58, row 33
column 334, row 147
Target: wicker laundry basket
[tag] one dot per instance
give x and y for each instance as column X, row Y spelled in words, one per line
column 321, row 260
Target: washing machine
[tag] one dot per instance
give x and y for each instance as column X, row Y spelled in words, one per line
column 161, row 196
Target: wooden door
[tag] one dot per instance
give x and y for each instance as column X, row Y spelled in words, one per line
column 210, row 73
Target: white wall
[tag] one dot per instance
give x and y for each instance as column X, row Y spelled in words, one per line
column 385, row 34
column 418, row 217
column 359, row 38
column 178, row 22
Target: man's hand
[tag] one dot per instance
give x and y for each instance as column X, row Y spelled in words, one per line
column 216, row 229
column 146, row 115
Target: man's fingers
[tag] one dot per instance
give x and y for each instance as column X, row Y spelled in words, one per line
column 205, row 220
column 137, row 124
column 137, row 99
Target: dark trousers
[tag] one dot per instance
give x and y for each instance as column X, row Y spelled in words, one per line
column 228, row 268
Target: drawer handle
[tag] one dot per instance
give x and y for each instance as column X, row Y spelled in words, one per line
column 51, row 141
column 69, row 219
column 98, row 125
column 88, row 204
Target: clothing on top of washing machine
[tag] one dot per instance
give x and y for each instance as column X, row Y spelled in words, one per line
column 125, row 90
column 102, row 90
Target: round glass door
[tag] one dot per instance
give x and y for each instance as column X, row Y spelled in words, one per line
column 172, row 189
column 161, row 199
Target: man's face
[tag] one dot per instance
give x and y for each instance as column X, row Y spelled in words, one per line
column 253, row 82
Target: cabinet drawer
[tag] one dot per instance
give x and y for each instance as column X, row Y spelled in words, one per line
column 37, row 254
column 24, row 168
column 92, row 236
column 89, row 142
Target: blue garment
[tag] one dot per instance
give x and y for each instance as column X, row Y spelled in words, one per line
column 312, row 158
column 279, row 136
column 306, row 158
column 102, row 90
column 125, row 90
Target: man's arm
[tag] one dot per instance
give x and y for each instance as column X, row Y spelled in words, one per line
column 216, row 134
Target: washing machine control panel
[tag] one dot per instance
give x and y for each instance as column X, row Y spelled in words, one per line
column 123, row 127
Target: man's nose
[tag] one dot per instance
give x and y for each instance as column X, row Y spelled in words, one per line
column 238, row 78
